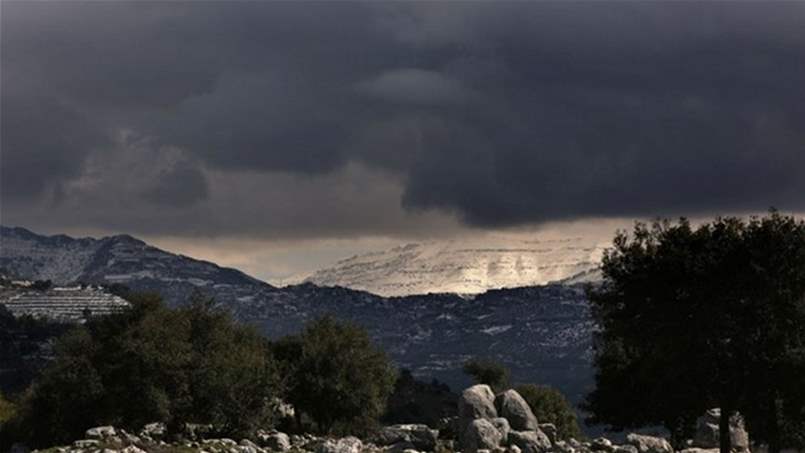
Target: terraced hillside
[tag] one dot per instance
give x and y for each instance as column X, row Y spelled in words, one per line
column 61, row 304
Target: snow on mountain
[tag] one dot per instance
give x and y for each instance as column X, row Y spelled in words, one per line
column 464, row 267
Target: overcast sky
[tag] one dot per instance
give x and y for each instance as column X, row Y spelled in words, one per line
column 278, row 136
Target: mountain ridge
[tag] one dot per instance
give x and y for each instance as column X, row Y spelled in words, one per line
column 543, row 333
column 462, row 267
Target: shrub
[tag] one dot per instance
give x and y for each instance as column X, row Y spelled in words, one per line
column 338, row 377
column 7, row 410
column 415, row 401
column 550, row 406
column 488, row 371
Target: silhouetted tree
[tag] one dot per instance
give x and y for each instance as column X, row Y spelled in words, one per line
column 693, row 318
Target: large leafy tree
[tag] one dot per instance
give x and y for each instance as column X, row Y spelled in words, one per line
column 337, row 376
column 189, row 365
column 693, row 318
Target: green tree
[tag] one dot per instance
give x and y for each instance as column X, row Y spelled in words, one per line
column 151, row 363
column 7, row 410
column 550, row 406
column 339, row 376
column 693, row 318
column 489, row 372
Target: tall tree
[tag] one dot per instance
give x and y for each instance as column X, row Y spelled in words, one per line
column 693, row 318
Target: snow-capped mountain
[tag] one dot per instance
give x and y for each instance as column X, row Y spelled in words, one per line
column 543, row 333
column 464, row 267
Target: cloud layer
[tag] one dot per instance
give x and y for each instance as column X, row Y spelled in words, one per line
column 316, row 120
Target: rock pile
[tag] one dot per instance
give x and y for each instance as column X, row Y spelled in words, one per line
column 486, row 423
column 504, row 423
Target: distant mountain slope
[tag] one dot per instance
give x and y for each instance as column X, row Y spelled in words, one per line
column 543, row 332
column 463, row 267
column 116, row 259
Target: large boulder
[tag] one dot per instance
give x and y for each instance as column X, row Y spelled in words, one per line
column 707, row 434
column 649, row 444
column 420, row 436
column 477, row 401
column 480, row 434
column 515, row 409
column 530, row 441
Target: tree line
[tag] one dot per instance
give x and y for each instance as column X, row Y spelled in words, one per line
column 196, row 365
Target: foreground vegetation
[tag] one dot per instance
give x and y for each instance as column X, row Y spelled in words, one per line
column 699, row 317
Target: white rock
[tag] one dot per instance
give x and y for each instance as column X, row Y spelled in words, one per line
column 649, row 444
column 530, row 441
column 515, row 409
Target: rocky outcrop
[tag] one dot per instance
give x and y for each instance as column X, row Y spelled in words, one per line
column 489, row 422
column 511, row 406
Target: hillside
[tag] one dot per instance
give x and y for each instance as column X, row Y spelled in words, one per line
column 463, row 267
column 542, row 332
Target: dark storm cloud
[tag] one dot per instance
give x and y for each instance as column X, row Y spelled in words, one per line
column 500, row 113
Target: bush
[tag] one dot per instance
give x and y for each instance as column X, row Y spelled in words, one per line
column 415, row 401
column 151, row 363
column 337, row 376
column 487, row 371
column 550, row 406
column 7, row 410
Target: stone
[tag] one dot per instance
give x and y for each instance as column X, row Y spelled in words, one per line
column 561, row 446
column 345, row 445
column 602, row 444
column 503, row 427
column 707, row 433
column 514, row 449
column 132, row 449
column 480, row 434
column 550, row 430
column 400, row 447
column 516, row 410
column 87, row 443
column 276, row 441
column 101, row 432
column 700, row 450
column 625, row 449
column 420, row 436
column 649, row 444
column 477, row 401
column 530, row 441
column 153, row 430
